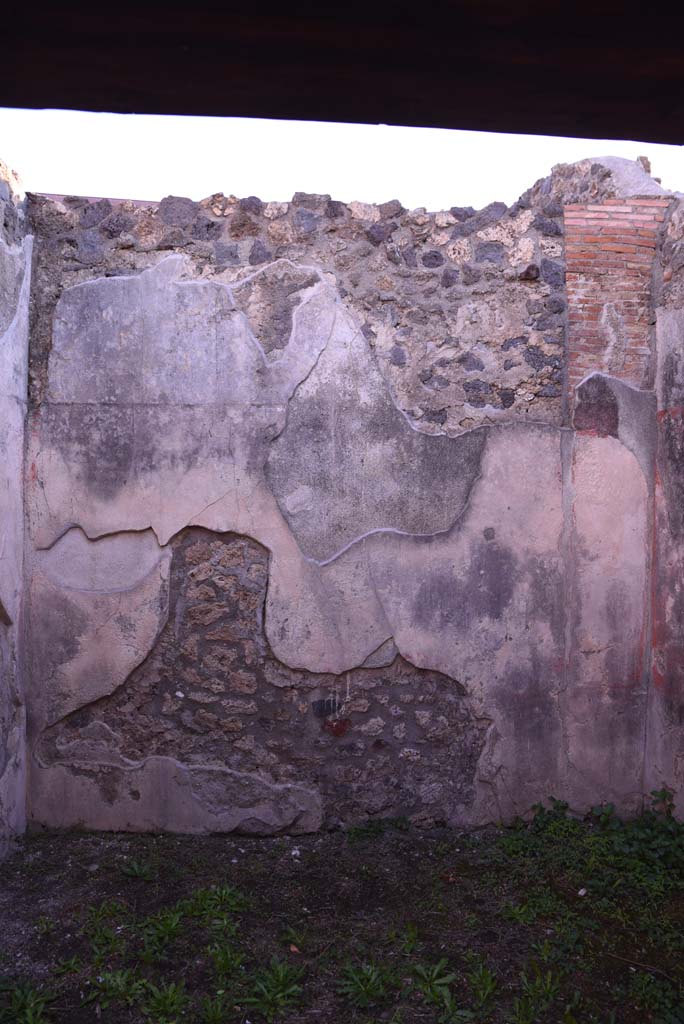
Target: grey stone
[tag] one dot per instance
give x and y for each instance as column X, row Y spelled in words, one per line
column 393, row 208
column 552, row 208
column 259, row 253
column 552, row 273
column 438, row 416
column 310, row 200
column 116, row 224
column 431, row 259
column 530, row 273
column 470, row 362
column 226, row 253
column 206, row 229
column 178, row 211
column 477, row 221
column 398, row 356
column 380, row 232
column 477, row 392
column 334, row 209
column 489, row 252
column 94, row 213
column 409, row 256
column 470, row 274
column 510, row 343
column 252, row 204
column 462, row 212
column 535, row 357
column 546, row 226
column 305, row 221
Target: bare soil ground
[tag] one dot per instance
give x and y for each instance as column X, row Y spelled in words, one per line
column 556, row 921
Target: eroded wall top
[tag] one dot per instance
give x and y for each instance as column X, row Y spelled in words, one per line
column 464, row 309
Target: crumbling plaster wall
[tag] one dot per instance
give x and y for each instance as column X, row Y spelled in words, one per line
column 314, row 535
column 15, row 272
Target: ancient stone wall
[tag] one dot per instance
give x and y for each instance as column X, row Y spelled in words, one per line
column 15, row 273
column 325, row 524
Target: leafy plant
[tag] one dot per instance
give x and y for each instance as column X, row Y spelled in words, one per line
column 483, row 984
column 655, row 995
column 363, row 985
column 67, row 966
column 605, row 817
column 116, row 987
column 452, row 1013
column 137, row 869
column 433, row 981
column 23, row 1004
column 45, row 925
column 108, row 910
column 541, row 989
column 275, row 988
column 524, row 1010
column 545, row 817
column 293, row 937
column 214, row 1010
column 105, row 943
column 544, row 951
column 227, row 960
column 542, row 903
column 166, row 1002
column 409, row 939
column 158, row 932
column 218, row 899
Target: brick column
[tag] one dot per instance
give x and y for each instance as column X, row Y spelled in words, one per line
column 610, row 248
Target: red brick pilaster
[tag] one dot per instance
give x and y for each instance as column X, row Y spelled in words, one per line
column 610, row 248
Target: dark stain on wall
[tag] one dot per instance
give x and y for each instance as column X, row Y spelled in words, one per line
column 483, row 589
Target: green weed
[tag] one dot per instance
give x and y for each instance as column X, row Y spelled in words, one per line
column 165, row 1003
column 227, row 961
column 363, row 985
column 215, row 1010
column 275, row 988
column 483, row 985
column 433, row 981
column 137, row 869
column 116, row 987
column 23, row 1004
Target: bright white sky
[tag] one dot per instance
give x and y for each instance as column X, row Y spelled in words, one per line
column 138, row 156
